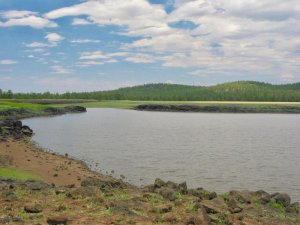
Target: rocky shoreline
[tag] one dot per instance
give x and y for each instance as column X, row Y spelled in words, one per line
column 217, row 109
column 99, row 199
column 22, row 113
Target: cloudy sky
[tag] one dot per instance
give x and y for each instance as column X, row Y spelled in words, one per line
column 76, row 45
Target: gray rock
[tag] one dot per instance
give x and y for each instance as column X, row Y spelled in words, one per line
column 33, row 208
column 200, row 219
column 282, row 198
column 241, row 196
column 104, row 184
column 158, row 183
column 57, row 220
column 262, row 196
column 168, row 193
column 293, row 208
column 202, row 194
column 172, row 185
column 183, row 188
column 84, row 192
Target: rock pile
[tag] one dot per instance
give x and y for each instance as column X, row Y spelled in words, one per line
column 15, row 129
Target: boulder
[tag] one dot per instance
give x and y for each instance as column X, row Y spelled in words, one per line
column 104, row 184
column 57, row 220
column 35, row 185
column 241, row 196
column 282, row 198
column 214, row 206
column 202, row 193
column 262, row 196
column 84, row 192
column 233, row 207
column 168, row 193
column 182, row 187
column 36, row 208
column 172, row 185
column 165, row 208
column 75, row 109
column 201, row 218
column 27, row 131
column 293, row 208
column 158, row 183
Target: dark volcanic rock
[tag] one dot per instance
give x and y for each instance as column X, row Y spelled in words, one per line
column 158, row 183
column 183, row 188
column 57, row 220
column 28, row 184
column 75, row 109
column 282, row 198
column 202, row 193
column 14, row 128
column 241, row 196
column 104, row 184
column 293, row 208
column 233, row 207
column 54, row 111
column 167, row 193
column 14, row 112
column 88, row 191
column 33, row 208
column 262, row 196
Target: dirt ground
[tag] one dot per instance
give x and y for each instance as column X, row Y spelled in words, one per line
column 51, row 168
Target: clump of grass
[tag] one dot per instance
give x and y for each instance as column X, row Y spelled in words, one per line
column 277, row 206
column 225, row 196
column 20, row 194
column 12, row 173
column 256, row 202
column 179, row 196
column 222, row 220
column 105, row 211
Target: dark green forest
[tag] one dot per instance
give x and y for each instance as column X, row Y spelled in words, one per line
column 234, row 91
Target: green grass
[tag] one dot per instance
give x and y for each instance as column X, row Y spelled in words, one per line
column 17, row 174
column 126, row 104
column 277, row 206
column 12, row 104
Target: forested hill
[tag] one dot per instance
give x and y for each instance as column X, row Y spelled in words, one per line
column 235, row 91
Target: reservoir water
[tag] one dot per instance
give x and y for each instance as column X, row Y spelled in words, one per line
column 216, row 151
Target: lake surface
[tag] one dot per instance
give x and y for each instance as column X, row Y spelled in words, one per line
column 219, row 152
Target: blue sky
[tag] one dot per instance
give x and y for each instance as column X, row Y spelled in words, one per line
column 58, row 46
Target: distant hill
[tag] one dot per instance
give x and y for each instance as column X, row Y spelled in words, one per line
column 234, row 91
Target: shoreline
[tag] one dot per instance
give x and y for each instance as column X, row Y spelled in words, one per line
column 113, row 199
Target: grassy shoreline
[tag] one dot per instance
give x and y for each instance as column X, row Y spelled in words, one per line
column 34, row 109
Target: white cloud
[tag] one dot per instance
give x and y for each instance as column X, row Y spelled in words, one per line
column 89, row 63
column 61, row 70
column 85, row 41
column 8, row 62
column 94, row 55
column 229, row 37
column 16, row 14
column 39, row 45
column 141, row 58
column 54, row 37
column 134, row 13
column 25, row 18
column 78, row 21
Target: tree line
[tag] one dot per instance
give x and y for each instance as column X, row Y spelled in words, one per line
column 235, row 91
